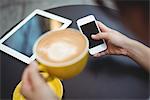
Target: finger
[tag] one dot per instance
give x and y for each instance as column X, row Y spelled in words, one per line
column 101, row 54
column 96, row 55
column 36, row 80
column 103, row 27
column 104, row 35
column 26, row 86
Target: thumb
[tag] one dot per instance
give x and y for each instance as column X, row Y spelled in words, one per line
column 103, row 35
column 34, row 75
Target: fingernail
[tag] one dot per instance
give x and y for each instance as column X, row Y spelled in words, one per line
column 34, row 64
column 95, row 55
column 92, row 36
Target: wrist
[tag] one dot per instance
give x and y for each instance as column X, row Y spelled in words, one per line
column 138, row 52
column 129, row 46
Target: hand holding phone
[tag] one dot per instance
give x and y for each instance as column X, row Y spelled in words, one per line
column 88, row 26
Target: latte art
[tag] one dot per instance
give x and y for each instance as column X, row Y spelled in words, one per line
column 61, row 46
column 60, row 51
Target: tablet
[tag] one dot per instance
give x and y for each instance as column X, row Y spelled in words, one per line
column 19, row 41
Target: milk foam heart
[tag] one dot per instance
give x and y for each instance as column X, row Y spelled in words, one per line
column 61, row 50
column 60, row 47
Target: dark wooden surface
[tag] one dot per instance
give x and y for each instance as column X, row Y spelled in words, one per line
column 108, row 77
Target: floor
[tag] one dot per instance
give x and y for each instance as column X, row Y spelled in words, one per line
column 12, row 11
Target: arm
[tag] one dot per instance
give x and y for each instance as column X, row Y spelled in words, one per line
column 139, row 52
column 119, row 44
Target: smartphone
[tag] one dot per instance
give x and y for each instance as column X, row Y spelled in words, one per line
column 88, row 26
column 19, row 41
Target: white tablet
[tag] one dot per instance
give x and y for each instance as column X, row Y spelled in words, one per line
column 19, row 41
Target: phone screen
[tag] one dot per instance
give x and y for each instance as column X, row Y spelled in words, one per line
column 89, row 29
column 24, row 38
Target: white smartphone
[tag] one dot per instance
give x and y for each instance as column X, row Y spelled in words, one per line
column 88, row 26
column 19, row 41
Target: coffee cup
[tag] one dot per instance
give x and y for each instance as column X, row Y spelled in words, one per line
column 62, row 53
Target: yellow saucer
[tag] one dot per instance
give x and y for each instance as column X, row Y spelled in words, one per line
column 54, row 83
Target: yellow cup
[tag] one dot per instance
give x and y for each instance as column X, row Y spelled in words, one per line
column 68, row 70
column 52, row 73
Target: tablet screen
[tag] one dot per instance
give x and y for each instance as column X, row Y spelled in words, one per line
column 24, row 38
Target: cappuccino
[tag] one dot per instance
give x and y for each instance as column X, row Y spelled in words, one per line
column 61, row 46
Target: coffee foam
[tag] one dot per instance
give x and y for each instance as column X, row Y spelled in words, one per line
column 61, row 47
column 61, row 50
